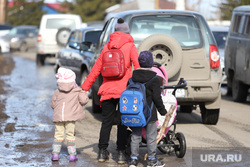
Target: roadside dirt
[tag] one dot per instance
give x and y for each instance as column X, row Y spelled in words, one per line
column 6, row 66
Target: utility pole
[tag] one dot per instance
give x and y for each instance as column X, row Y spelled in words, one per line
column 2, row 11
column 156, row 4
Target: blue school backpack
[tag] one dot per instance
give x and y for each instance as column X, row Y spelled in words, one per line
column 135, row 111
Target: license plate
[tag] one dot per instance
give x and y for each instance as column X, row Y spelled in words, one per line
column 178, row 93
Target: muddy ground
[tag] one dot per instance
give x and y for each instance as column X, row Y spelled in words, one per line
column 26, row 127
column 6, row 66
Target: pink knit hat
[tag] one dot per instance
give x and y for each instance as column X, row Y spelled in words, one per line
column 65, row 75
column 161, row 72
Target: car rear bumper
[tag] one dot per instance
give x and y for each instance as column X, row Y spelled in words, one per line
column 200, row 92
column 48, row 49
column 5, row 48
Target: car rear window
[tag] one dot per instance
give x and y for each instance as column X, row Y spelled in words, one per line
column 183, row 28
column 59, row 23
column 92, row 36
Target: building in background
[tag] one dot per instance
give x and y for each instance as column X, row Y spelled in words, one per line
column 53, row 8
column 50, row 8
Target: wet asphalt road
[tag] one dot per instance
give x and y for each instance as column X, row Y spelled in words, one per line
column 29, row 89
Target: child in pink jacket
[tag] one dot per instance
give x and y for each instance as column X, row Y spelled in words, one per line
column 68, row 104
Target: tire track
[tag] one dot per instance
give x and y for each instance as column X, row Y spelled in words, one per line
column 233, row 142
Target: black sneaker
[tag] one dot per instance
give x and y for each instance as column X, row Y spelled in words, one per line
column 155, row 163
column 121, row 157
column 133, row 163
column 103, row 155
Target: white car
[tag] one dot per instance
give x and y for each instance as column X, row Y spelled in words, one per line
column 4, row 46
column 53, row 34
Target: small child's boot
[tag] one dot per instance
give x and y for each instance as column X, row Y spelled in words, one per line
column 55, row 157
column 73, row 158
column 56, row 151
column 72, row 151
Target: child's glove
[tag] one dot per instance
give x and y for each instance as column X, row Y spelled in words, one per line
column 83, row 97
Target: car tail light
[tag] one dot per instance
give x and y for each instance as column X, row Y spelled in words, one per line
column 214, row 57
column 39, row 38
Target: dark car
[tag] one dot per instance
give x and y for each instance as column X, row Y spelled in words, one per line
column 237, row 54
column 5, row 29
column 182, row 42
column 22, row 37
column 220, row 34
column 79, row 51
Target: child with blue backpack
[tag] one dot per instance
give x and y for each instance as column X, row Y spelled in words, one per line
column 153, row 95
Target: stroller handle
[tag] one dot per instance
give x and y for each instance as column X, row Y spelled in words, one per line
column 181, row 84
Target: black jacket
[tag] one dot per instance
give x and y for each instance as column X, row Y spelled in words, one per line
column 153, row 90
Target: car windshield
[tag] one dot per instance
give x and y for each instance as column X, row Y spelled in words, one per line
column 220, row 37
column 15, row 31
column 182, row 27
column 59, row 23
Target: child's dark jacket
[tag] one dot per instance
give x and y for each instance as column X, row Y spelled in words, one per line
column 153, row 90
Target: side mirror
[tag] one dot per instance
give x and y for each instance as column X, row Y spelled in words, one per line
column 86, row 46
column 93, row 47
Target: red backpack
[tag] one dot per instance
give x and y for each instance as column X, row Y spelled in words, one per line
column 113, row 64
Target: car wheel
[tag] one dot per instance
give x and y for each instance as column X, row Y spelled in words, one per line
column 23, row 47
column 209, row 116
column 186, row 109
column 62, row 36
column 83, row 77
column 166, row 51
column 95, row 106
column 40, row 59
column 239, row 91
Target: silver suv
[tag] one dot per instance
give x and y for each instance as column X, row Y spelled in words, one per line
column 182, row 42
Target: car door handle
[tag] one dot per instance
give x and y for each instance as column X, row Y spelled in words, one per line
column 197, row 66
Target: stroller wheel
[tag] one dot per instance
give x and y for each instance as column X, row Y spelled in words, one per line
column 162, row 147
column 165, row 143
column 180, row 148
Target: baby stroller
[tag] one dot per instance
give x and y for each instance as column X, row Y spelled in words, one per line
column 169, row 141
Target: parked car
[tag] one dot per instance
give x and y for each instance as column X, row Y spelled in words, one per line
column 78, row 52
column 5, row 29
column 237, row 54
column 53, row 34
column 182, row 42
column 22, row 37
column 4, row 46
column 220, row 34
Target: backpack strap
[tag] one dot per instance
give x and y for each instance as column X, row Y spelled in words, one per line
column 130, row 81
column 150, row 79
